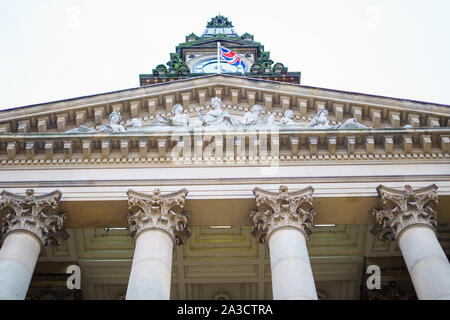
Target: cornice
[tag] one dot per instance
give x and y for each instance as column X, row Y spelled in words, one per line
column 225, row 148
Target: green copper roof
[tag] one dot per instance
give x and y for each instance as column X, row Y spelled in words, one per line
column 219, row 25
column 219, row 21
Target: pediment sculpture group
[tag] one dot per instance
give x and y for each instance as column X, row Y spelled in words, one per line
column 217, row 117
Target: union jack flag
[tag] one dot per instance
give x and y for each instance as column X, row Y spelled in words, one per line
column 232, row 58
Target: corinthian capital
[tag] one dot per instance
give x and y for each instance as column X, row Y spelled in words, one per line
column 403, row 208
column 38, row 215
column 282, row 209
column 157, row 211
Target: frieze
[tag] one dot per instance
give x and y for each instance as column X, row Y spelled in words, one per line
column 219, row 118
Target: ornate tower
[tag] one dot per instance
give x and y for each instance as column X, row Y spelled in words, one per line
column 198, row 57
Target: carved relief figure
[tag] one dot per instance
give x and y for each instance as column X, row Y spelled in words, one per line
column 287, row 119
column 81, row 129
column 320, row 121
column 217, row 116
column 252, row 117
column 214, row 117
column 113, row 126
column 351, row 124
column 178, row 120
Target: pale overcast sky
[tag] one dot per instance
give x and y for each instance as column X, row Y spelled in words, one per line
column 52, row 50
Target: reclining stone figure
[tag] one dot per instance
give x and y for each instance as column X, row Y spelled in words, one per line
column 112, row 127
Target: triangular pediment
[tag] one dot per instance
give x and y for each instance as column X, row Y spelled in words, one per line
column 238, row 95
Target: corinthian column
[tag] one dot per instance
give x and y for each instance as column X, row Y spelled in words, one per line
column 409, row 217
column 29, row 223
column 284, row 220
column 157, row 222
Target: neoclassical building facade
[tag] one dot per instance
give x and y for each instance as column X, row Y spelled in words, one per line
column 206, row 186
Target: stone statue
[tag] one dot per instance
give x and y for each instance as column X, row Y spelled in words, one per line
column 251, row 118
column 217, row 116
column 112, row 127
column 320, row 121
column 178, row 120
column 350, row 124
column 134, row 123
column 81, row 129
column 287, row 120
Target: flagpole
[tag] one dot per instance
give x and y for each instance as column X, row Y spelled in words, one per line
column 218, row 57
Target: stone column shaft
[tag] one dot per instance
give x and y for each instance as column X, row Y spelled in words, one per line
column 292, row 277
column 151, row 271
column 409, row 217
column 427, row 263
column 157, row 222
column 18, row 258
column 284, row 221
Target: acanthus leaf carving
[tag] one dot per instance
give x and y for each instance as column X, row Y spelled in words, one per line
column 157, row 211
column 38, row 215
column 282, row 209
column 401, row 209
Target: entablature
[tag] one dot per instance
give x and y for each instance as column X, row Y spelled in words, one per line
column 180, row 147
